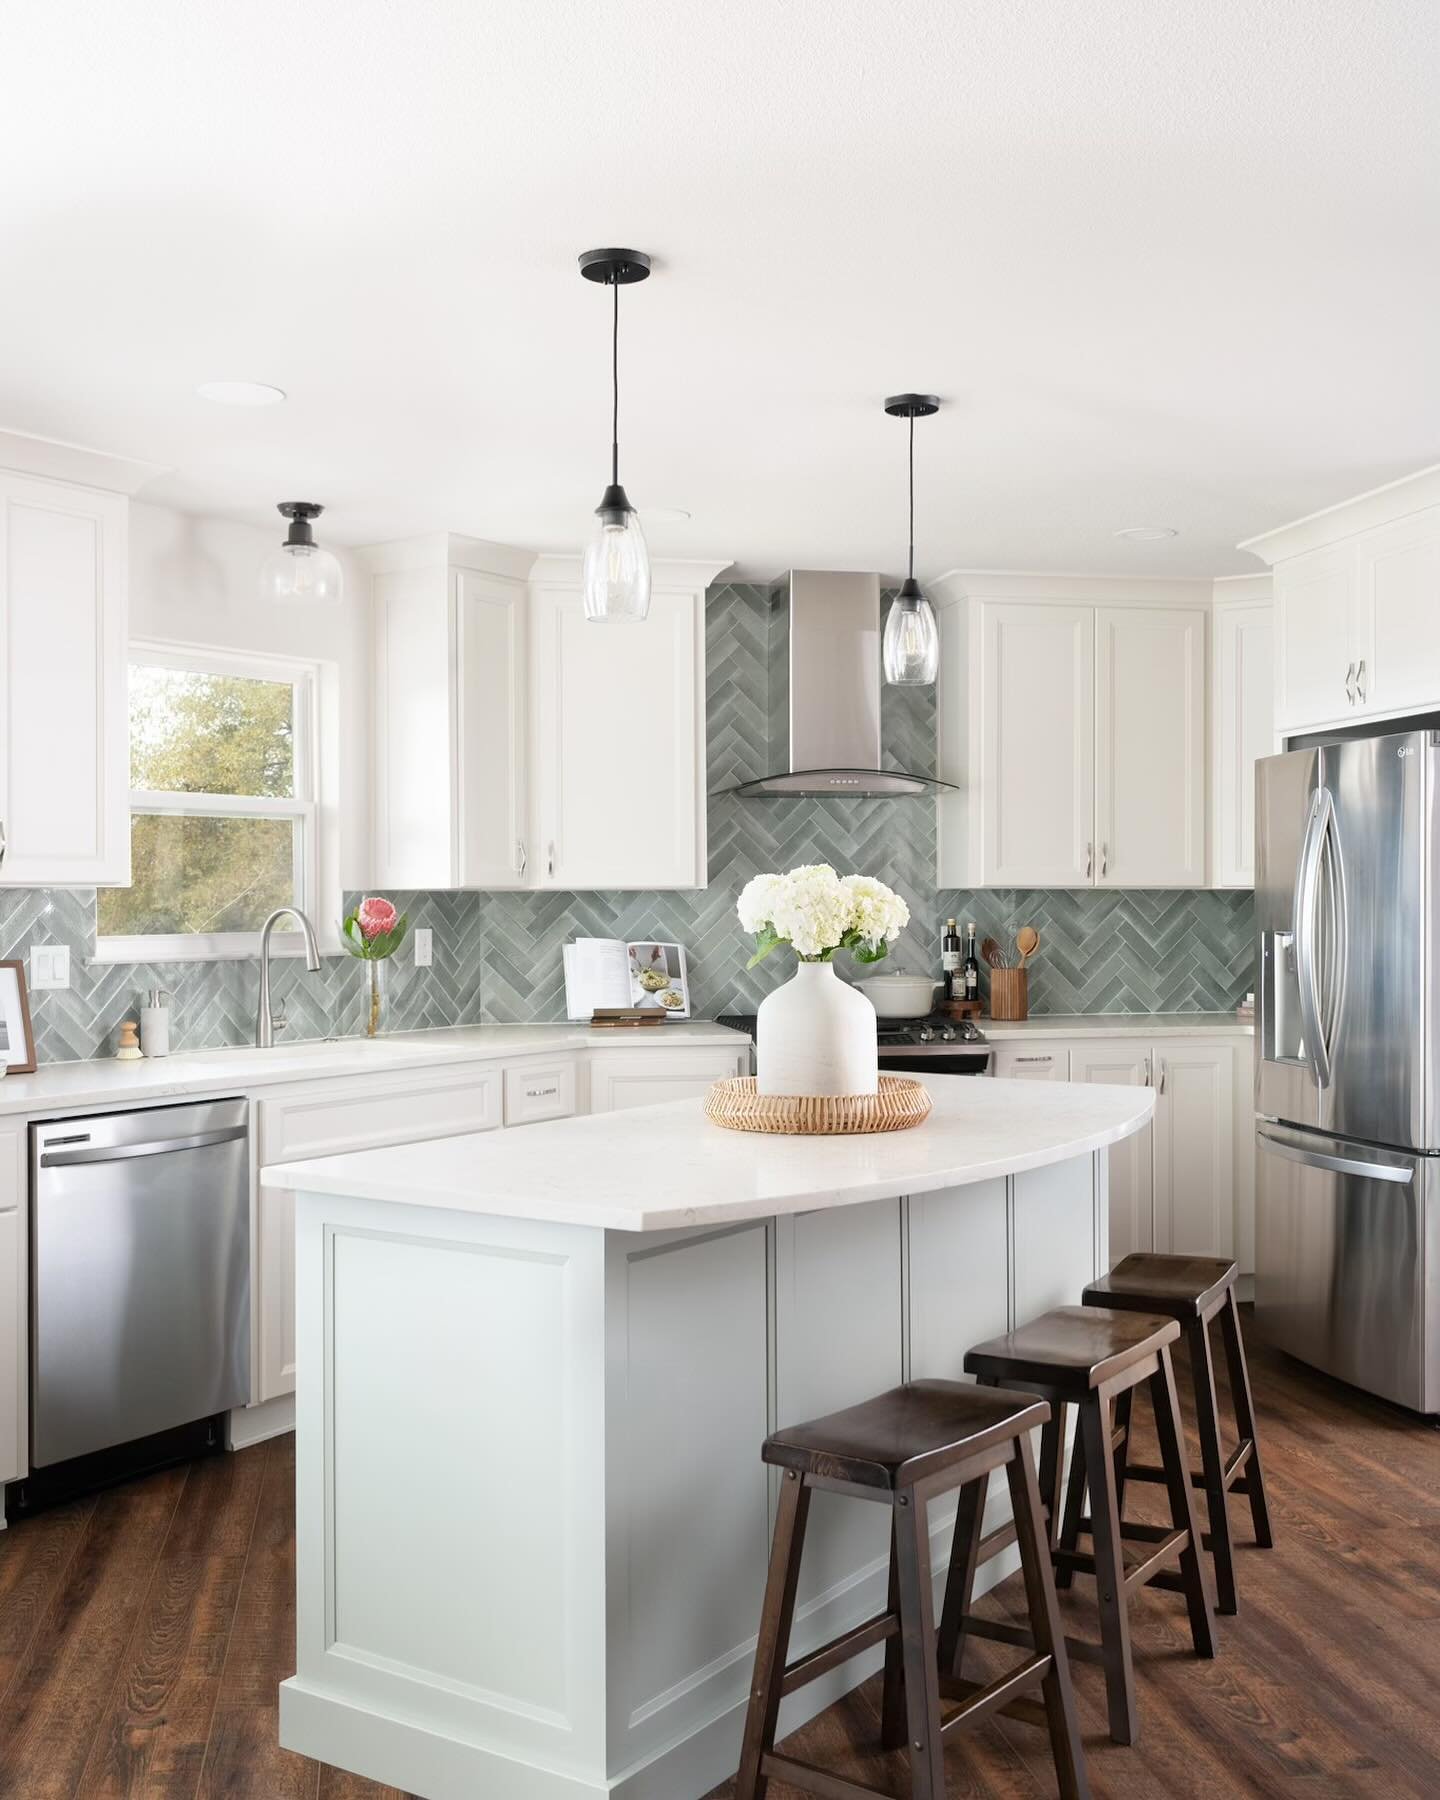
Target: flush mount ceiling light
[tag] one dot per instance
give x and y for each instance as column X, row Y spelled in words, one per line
column 1147, row 534
column 301, row 571
column 911, row 649
column 240, row 393
column 617, row 564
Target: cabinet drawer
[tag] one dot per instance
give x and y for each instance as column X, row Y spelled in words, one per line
column 536, row 1091
column 378, row 1109
column 1032, row 1062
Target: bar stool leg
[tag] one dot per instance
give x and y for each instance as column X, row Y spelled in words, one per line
column 960, row 1583
column 1194, row 1568
column 1110, row 1569
column 1212, row 1463
column 776, row 1617
column 1245, row 1419
column 1068, row 1536
column 1052, row 1469
column 1045, row 1624
column 917, row 1640
column 1124, row 1405
column 892, row 1694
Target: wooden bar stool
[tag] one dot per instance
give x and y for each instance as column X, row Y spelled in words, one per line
column 1194, row 1290
column 901, row 1449
column 1089, row 1358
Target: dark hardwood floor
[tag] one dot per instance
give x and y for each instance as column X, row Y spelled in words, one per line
column 143, row 1634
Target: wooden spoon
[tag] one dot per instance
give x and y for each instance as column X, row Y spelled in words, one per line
column 1027, row 942
column 990, row 950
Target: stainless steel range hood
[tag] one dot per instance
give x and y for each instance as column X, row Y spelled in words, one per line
column 825, row 693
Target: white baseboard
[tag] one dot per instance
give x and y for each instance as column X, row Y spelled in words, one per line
column 253, row 1424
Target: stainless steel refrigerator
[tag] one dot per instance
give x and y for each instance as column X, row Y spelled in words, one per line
column 1348, row 1055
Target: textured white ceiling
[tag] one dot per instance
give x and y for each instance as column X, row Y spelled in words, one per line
column 1167, row 261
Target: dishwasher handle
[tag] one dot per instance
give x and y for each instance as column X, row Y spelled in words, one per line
column 103, row 1153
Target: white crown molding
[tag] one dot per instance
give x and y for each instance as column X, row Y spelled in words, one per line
column 55, row 460
column 449, row 550
column 956, row 585
column 1380, row 506
column 1246, row 590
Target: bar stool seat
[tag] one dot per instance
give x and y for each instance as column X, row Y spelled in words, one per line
column 1091, row 1357
column 1196, row 1291
column 900, row 1450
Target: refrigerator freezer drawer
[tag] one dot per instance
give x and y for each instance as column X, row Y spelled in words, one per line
column 1346, row 1261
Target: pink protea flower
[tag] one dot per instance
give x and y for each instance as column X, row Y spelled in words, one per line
column 375, row 917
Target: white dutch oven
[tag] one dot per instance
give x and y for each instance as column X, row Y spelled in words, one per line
column 899, row 996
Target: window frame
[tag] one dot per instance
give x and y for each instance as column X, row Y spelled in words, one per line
column 303, row 678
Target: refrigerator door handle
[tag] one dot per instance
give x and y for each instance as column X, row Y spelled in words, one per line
column 1401, row 1174
column 1307, row 894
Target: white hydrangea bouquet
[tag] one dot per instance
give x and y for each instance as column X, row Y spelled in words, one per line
column 816, row 1035
column 818, row 912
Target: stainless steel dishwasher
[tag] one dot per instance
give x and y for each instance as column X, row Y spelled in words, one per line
column 140, row 1274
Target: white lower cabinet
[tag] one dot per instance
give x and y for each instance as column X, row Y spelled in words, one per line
column 14, row 1288
column 1185, row 1184
column 1132, row 1172
column 623, row 1078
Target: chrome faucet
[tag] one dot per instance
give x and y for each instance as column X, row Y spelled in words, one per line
column 265, row 1020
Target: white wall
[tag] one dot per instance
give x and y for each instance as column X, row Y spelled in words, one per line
column 196, row 580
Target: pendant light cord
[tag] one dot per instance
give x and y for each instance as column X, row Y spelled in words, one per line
column 910, row 569
column 615, row 391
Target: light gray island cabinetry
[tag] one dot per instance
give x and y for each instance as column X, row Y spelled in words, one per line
column 534, row 1373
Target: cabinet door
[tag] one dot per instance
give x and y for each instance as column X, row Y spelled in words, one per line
column 1037, row 700
column 1195, row 1147
column 64, row 729
column 618, row 723
column 1396, row 639
column 489, row 619
column 1149, row 747
column 14, row 1293
column 1032, row 1062
column 415, row 732
column 1132, row 1220
column 624, row 1078
column 1315, row 603
column 1244, row 713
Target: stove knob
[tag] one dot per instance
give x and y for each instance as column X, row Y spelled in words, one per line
column 947, row 1034
column 927, row 1036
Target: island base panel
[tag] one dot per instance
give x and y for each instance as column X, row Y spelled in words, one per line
column 532, row 1519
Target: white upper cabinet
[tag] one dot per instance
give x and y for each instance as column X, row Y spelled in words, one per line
column 450, row 709
column 617, row 734
column 1149, row 747
column 1038, row 745
column 1242, row 709
column 64, row 729
column 1072, row 723
column 1357, row 593
column 1316, row 628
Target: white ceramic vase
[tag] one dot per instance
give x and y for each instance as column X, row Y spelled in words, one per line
column 816, row 1035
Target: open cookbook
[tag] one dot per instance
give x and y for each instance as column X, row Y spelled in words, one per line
column 606, row 973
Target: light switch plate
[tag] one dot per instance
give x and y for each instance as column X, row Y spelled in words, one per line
column 49, row 966
column 423, row 951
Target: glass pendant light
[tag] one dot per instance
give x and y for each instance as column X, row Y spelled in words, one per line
column 911, row 648
column 301, row 571
column 617, row 563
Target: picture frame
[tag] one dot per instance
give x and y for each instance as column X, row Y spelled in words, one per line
column 17, row 1034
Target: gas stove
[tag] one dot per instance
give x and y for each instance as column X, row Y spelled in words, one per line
column 935, row 1045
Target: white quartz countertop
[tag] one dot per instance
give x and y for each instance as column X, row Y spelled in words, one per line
column 105, row 1082
column 1105, row 1025
column 654, row 1168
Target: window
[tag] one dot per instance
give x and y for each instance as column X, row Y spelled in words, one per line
column 222, row 804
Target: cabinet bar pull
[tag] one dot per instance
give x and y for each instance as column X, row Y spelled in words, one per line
column 1350, row 682
column 520, row 857
column 1360, row 679
column 1104, row 859
column 552, row 859
column 4, row 843
column 1161, row 1088
column 1089, row 861
column 1035, row 1059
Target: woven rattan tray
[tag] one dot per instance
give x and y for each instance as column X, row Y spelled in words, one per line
column 736, row 1105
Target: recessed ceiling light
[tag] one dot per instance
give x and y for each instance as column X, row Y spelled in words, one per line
column 666, row 515
column 1147, row 534
column 240, row 393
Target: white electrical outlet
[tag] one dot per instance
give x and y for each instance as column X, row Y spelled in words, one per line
column 423, row 951
column 49, row 966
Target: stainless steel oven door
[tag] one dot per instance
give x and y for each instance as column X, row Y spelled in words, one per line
column 1346, row 1261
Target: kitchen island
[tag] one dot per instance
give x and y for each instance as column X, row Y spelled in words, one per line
column 535, row 1371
